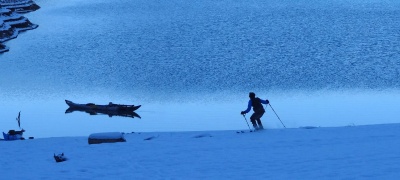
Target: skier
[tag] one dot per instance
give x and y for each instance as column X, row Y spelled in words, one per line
column 258, row 109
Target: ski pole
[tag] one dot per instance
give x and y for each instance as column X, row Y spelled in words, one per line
column 276, row 114
column 247, row 122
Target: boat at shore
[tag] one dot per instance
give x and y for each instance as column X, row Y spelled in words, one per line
column 129, row 114
column 110, row 107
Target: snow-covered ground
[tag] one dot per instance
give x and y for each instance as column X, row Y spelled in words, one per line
column 353, row 152
column 160, row 53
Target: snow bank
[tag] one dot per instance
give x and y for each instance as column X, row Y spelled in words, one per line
column 108, row 137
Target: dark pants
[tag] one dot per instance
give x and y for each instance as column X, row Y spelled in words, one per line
column 255, row 119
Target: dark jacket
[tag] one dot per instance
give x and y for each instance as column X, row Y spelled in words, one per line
column 256, row 103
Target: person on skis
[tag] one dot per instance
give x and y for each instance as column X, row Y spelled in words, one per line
column 258, row 109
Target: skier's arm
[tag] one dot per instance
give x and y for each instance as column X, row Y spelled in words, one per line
column 264, row 101
column 248, row 107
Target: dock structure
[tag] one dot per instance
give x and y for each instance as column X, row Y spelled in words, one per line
column 12, row 21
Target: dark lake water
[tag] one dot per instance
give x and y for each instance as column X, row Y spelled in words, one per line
column 191, row 64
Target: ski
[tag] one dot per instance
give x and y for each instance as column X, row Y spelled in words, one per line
column 253, row 130
column 240, row 132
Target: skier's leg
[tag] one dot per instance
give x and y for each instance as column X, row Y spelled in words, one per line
column 253, row 120
column 258, row 119
column 260, row 124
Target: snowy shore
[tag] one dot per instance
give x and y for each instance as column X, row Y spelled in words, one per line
column 353, row 152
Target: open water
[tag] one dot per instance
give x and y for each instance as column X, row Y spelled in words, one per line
column 191, row 64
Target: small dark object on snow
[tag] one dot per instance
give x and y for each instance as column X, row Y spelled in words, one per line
column 150, row 138
column 60, row 157
column 202, row 135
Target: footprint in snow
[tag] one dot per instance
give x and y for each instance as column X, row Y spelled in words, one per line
column 150, row 138
column 202, row 135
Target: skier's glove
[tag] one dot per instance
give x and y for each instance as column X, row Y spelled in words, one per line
column 267, row 101
column 242, row 113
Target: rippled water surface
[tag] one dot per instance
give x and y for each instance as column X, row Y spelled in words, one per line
column 191, row 64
